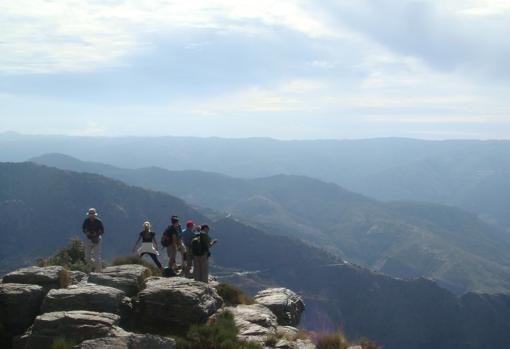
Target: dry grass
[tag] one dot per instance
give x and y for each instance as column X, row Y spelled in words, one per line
column 334, row 340
column 232, row 295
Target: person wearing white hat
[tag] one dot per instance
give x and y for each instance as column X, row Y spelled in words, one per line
column 93, row 228
column 149, row 244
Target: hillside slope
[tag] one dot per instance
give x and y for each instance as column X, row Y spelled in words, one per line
column 466, row 173
column 405, row 239
column 42, row 206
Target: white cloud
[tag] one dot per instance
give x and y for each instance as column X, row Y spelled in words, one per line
column 39, row 36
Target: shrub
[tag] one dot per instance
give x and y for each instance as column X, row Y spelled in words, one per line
column 233, row 295
column 366, row 343
column 122, row 260
column 220, row 334
column 63, row 343
column 335, row 340
column 71, row 257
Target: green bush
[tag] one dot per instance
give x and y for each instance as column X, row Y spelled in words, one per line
column 63, row 343
column 122, row 260
column 233, row 295
column 71, row 257
column 220, row 334
column 335, row 340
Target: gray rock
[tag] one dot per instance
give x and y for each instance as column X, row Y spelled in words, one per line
column 132, row 341
column 171, row 305
column 77, row 277
column 76, row 326
column 284, row 303
column 255, row 322
column 19, row 305
column 90, row 297
column 288, row 332
column 128, row 278
column 47, row 277
column 304, row 344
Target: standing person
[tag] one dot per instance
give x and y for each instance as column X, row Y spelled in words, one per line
column 93, row 228
column 187, row 236
column 171, row 240
column 201, row 248
column 149, row 245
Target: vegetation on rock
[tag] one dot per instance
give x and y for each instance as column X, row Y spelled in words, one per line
column 221, row 334
column 233, row 295
column 71, row 257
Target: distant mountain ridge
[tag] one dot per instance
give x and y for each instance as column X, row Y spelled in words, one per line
column 40, row 207
column 469, row 174
column 403, row 239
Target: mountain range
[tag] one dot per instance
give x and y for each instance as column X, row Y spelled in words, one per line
column 402, row 239
column 470, row 174
column 42, row 207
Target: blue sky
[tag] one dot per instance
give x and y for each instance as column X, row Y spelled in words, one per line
column 283, row 69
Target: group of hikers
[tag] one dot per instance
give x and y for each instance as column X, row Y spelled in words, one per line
column 193, row 244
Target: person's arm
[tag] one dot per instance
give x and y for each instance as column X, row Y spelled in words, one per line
column 212, row 243
column 101, row 228
column 136, row 243
column 154, row 241
column 84, row 227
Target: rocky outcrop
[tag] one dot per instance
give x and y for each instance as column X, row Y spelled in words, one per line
column 131, row 341
column 76, row 325
column 285, row 304
column 127, row 278
column 173, row 304
column 19, row 305
column 84, row 297
column 46, row 277
column 255, row 322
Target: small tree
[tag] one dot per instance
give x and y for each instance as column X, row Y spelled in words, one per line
column 71, row 257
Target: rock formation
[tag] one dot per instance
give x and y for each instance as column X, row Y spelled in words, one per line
column 124, row 308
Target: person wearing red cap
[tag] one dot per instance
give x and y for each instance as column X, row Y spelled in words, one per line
column 187, row 236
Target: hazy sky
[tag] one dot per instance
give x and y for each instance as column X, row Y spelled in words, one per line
column 232, row 68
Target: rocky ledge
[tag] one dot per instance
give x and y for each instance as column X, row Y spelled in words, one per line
column 125, row 308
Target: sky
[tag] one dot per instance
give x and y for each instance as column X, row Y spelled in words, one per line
column 432, row 69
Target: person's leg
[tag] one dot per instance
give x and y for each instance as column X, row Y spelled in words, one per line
column 97, row 257
column 189, row 263
column 205, row 272
column 200, row 263
column 88, row 250
column 172, row 253
column 196, row 268
column 155, row 260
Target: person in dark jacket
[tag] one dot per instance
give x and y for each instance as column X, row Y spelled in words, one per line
column 201, row 255
column 172, row 236
column 187, row 236
column 93, row 229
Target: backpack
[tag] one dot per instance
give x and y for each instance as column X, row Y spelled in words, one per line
column 198, row 247
column 166, row 238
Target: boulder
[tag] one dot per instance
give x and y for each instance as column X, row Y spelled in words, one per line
column 304, row 344
column 284, row 303
column 19, row 305
column 255, row 322
column 128, row 278
column 77, row 277
column 46, row 277
column 171, row 305
column 90, row 297
column 75, row 326
column 132, row 341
